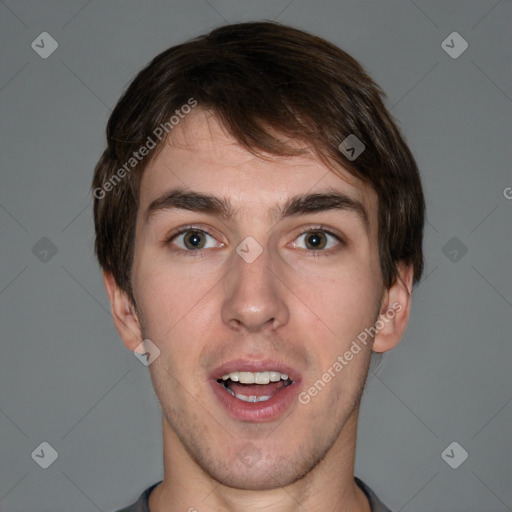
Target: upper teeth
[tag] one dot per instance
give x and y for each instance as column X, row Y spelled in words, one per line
column 255, row 377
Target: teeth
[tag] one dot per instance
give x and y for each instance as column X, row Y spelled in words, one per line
column 255, row 377
column 253, row 398
column 262, row 377
column 274, row 376
column 247, row 377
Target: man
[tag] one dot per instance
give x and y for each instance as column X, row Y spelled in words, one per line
column 259, row 224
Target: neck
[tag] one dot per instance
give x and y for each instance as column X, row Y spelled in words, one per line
column 329, row 486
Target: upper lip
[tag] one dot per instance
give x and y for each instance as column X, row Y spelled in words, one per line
column 248, row 365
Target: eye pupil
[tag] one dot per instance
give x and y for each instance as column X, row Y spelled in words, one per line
column 194, row 240
column 315, row 240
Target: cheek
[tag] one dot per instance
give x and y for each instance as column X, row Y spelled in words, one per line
column 344, row 300
column 170, row 298
column 176, row 317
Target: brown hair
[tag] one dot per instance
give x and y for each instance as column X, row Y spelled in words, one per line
column 261, row 79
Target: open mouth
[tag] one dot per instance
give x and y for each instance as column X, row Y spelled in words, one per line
column 254, row 387
column 255, row 390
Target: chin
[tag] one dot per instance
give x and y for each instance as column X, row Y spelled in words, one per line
column 263, row 478
column 262, row 467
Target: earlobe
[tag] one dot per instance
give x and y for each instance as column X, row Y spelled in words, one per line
column 395, row 309
column 125, row 317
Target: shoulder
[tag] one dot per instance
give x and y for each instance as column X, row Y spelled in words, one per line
column 142, row 504
column 375, row 503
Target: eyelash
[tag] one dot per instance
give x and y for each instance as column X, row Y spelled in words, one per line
column 199, row 253
column 322, row 253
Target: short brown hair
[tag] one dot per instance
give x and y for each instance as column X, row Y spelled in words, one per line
column 262, row 79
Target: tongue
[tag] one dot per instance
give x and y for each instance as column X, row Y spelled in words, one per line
column 269, row 389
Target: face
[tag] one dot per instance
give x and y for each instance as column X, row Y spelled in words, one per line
column 269, row 281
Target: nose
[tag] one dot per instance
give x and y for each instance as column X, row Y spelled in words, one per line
column 253, row 295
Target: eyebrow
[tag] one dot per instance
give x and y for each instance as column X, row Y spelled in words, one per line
column 221, row 207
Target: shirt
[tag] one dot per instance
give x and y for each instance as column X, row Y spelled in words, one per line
column 141, row 505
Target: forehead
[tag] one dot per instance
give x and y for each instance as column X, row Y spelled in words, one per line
column 200, row 156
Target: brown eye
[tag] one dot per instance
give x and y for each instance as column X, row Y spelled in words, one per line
column 315, row 240
column 194, row 239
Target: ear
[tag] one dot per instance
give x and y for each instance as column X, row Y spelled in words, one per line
column 123, row 311
column 394, row 311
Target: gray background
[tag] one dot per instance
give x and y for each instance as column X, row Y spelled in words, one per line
column 66, row 378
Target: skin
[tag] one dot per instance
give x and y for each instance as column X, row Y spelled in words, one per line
column 202, row 311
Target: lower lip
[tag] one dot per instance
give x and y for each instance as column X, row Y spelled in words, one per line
column 269, row 410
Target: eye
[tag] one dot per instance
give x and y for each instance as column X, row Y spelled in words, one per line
column 316, row 240
column 193, row 240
